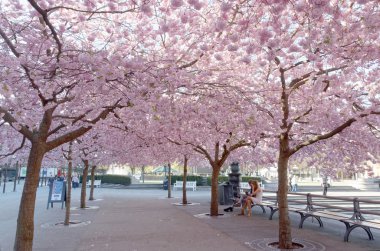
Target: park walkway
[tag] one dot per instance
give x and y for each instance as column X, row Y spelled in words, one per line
column 147, row 220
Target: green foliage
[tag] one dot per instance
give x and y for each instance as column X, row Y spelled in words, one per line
column 111, row 179
column 246, row 178
column 222, row 179
column 198, row 179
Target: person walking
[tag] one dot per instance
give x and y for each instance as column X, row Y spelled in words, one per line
column 75, row 181
column 290, row 188
column 325, row 185
column 294, row 183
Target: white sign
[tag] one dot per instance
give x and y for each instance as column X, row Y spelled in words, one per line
column 48, row 172
column 56, row 193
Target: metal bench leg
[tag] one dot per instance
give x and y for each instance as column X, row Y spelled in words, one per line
column 370, row 235
column 349, row 230
column 262, row 207
column 272, row 211
column 304, row 217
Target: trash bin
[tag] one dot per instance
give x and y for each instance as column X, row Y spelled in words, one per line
column 165, row 184
column 226, row 194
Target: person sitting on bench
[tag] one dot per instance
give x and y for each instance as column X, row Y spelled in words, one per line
column 252, row 198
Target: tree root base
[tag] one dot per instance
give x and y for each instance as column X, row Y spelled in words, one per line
column 187, row 204
column 73, row 223
column 86, row 208
column 295, row 245
column 208, row 216
column 271, row 244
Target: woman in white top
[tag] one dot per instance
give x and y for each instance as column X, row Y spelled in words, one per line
column 254, row 198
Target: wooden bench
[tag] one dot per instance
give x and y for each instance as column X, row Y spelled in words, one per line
column 349, row 222
column 97, row 183
column 189, row 185
column 324, row 211
column 274, row 208
column 366, row 225
column 355, row 221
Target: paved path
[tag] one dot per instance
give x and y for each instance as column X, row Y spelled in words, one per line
column 141, row 220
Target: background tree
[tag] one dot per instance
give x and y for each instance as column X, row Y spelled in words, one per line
column 48, row 76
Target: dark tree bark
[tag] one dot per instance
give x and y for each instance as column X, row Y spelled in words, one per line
column 184, row 195
column 143, row 174
column 18, row 175
column 69, row 179
column 285, row 234
column 25, row 220
column 170, row 181
column 84, row 184
column 92, row 182
column 214, row 211
column 216, row 164
column 284, row 230
column 5, row 178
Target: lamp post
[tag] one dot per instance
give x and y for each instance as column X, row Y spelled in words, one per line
column 234, row 177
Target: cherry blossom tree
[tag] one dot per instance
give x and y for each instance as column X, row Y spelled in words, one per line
column 310, row 65
column 314, row 69
column 56, row 82
column 298, row 76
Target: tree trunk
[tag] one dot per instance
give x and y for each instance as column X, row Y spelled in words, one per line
column 5, row 178
column 170, row 181
column 285, row 235
column 18, row 175
column 68, row 195
column 143, row 174
column 84, row 185
column 184, row 196
column 214, row 191
column 16, row 178
column 92, row 183
column 25, row 220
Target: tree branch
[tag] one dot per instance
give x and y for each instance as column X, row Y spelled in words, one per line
column 44, row 15
column 329, row 134
column 16, row 150
column 91, row 12
column 297, row 82
column 296, row 64
column 26, row 69
column 56, row 129
column 9, row 43
column 11, row 120
column 298, row 118
column 201, row 150
column 82, row 130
